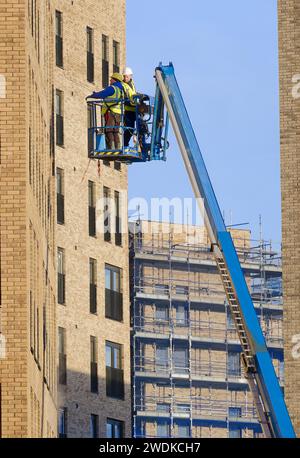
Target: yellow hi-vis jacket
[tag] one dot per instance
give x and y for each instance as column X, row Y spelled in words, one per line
column 115, row 107
column 130, row 91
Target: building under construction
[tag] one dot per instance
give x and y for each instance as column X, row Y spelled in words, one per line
column 188, row 380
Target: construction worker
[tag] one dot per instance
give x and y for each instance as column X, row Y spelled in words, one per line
column 130, row 105
column 112, row 110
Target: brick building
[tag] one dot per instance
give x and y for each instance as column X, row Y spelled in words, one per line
column 64, row 282
column 93, row 290
column 289, row 65
column 188, row 380
column 27, row 211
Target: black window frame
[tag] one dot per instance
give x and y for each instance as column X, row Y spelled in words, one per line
column 94, row 364
column 60, row 197
column 64, row 412
column 94, row 422
column 61, row 278
column 90, row 55
column 113, row 293
column 116, row 56
column 59, row 114
column 118, row 222
column 113, row 423
column 114, row 372
column 107, row 214
column 93, row 285
column 62, row 356
column 59, row 59
column 92, row 208
column 105, row 61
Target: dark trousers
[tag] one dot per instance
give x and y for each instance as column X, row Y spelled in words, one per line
column 112, row 134
column 129, row 121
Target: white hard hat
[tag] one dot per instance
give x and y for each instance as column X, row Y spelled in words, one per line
column 128, row 71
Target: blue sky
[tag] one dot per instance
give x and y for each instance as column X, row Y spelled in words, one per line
column 226, row 62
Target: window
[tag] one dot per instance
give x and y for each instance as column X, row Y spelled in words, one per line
column 113, row 294
column 116, row 57
column 181, row 315
column 114, row 428
column 180, row 289
column 62, row 422
column 61, row 295
column 93, row 285
column 234, row 412
column 235, row 433
column 94, row 365
column 94, row 426
column 62, row 368
column 106, row 211
column 180, row 360
column 163, row 407
column 59, row 38
column 90, row 54
column 161, row 313
column 92, row 209
column 183, row 408
column 60, row 196
column 118, row 233
column 161, row 289
column 114, row 371
column 234, row 364
column 90, row 124
column 117, row 165
column 183, row 431
column 161, row 358
column 105, row 63
column 59, row 118
column 163, row 429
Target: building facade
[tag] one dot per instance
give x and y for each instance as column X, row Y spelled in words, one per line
column 289, row 69
column 92, row 263
column 187, row 375
column 27, row 211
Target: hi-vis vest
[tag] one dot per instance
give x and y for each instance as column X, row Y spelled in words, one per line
column 115, row 107
column 130, row 91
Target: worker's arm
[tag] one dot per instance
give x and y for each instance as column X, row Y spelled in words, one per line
column 102, row 94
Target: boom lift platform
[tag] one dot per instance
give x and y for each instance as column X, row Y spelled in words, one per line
column 150, row 143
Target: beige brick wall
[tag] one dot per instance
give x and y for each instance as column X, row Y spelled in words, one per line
column 289, row 59
column 108, row 18
column 28, row 405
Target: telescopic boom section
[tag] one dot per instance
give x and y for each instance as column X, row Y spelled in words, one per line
column 263, row 382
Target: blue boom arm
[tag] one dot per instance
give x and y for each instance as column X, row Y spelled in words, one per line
column 269, row 391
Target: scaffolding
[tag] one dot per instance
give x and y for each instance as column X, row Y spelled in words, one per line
column 180, row 321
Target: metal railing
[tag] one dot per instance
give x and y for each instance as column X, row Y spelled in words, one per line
column 198, row 407
column 203, row 329
column 202, row 251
